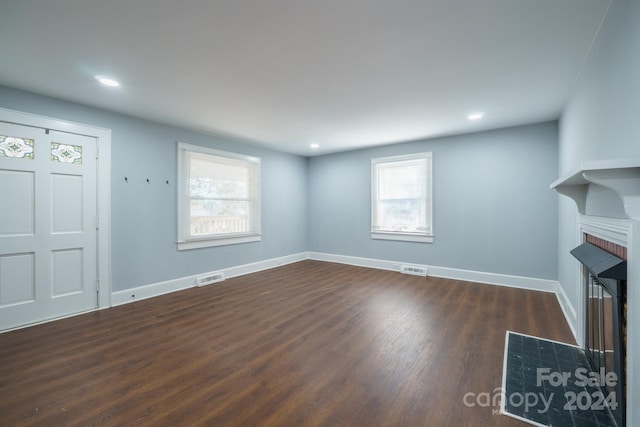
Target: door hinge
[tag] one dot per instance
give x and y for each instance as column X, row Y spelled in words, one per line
column 98, row 285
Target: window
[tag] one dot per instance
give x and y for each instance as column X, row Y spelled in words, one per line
column 218, row 197
column 401, row 198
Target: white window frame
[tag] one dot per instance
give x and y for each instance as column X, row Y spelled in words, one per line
column 185, row 239
column 376, row 233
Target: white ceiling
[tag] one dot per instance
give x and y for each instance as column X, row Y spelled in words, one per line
column 286, row 73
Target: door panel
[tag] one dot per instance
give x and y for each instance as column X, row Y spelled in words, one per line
column 66, row 203
column 66, row 272
column 48, row 243
column 17, row 190
column 17, row 278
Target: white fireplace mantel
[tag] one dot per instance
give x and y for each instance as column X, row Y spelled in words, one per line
column 621, row 176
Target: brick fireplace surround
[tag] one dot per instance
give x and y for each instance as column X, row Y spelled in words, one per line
column 611, row 247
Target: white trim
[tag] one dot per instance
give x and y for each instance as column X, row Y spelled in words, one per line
column 612, row 229
column 421, row 238
column 161, row 288
column 219, row 241
column 522, row 282
column 633, row 326
column 104, row 217
column 184, row 240
column 103, row 139
column 358, row 261
column 503, row 384
column 254, row 267
column 531, row 283
column 181, row 283
column 626, row 233
column 153, row 290
column 380, row 234
column 568, row 310
column 403, row 157
column 622, row 176
column 215, row 152
column 43, row 321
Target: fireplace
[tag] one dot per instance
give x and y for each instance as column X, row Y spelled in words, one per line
column 607, row 197
column 605, row 318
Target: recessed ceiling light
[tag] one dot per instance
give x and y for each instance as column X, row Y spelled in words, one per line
column 314, row 145
column 107, row 81
column 475, row 116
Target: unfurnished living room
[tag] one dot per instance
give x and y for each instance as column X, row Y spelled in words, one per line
column 320, row 213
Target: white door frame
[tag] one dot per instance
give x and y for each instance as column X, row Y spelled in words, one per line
column 103, row 140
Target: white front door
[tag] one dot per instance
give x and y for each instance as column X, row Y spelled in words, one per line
column 48, row 239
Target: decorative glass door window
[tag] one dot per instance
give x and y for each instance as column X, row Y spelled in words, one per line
column 11, row 146
column 65, row 153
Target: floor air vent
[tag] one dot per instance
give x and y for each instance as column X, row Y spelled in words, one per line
column 210, row 278
column 415, row 270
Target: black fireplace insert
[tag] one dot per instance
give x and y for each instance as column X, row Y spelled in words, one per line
column 605, row 322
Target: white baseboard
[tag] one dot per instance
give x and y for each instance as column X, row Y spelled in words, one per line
column 569, row 312
column 161, row 288
column 521, row 282
column 357, row 261
column 254, row 267
column 446, row 272
column 531, row 283
column 152, row 290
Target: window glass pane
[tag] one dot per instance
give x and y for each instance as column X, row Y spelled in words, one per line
column 219, row 217
column 402, row 180
column 217, row 180
column 402, row 215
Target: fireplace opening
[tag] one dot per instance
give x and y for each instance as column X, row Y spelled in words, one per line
column 605, row 319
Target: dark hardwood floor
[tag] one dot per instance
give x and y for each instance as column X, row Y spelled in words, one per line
column 307, row 344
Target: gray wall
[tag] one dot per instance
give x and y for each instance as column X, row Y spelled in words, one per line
column 600, row 121
column 493, row 210
column 144, row 216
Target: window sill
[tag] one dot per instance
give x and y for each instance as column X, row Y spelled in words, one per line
column 419, row 238
column 218, row 241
